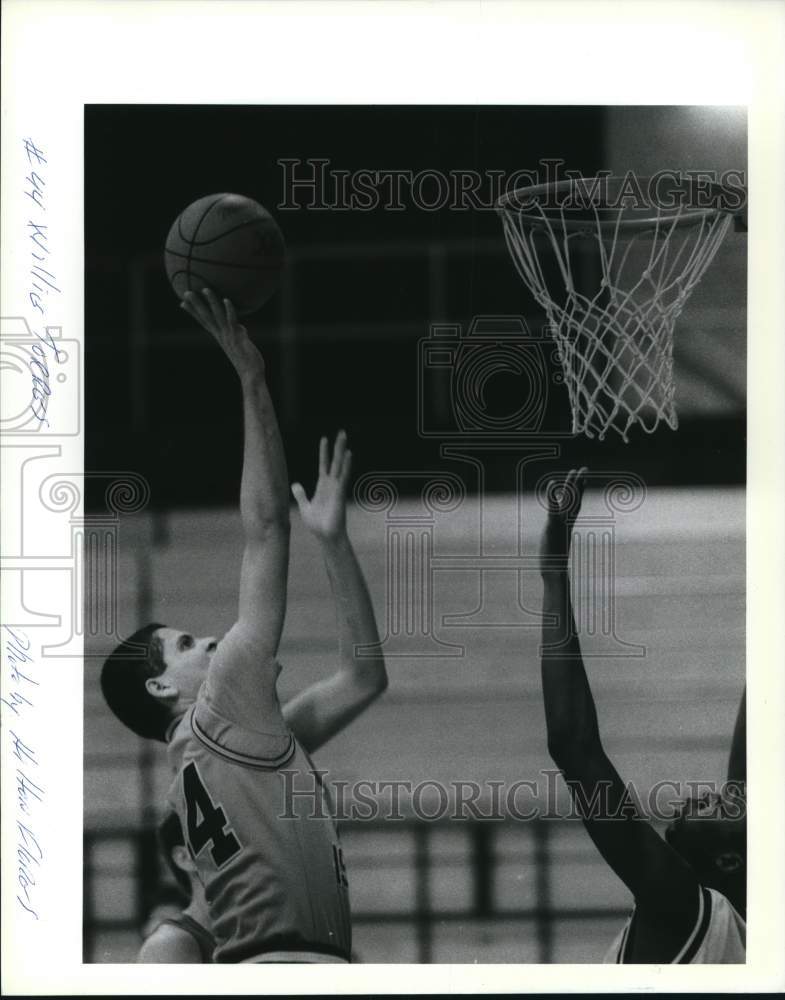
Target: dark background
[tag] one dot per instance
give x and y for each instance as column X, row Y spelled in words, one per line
column 161, row 400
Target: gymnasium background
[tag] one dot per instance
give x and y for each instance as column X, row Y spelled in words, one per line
column 342, row 340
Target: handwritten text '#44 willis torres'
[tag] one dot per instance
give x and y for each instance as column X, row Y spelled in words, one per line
column 41, row 281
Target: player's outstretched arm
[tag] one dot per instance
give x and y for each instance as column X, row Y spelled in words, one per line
column 325, row 708
column 264, row 495
column 658, row 878
column 737, row 762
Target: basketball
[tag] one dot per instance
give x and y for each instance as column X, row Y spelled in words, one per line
column 228, row 243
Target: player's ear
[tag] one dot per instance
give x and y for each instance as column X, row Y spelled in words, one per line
column 162, row 689
column 728, row 862
column 182, row 859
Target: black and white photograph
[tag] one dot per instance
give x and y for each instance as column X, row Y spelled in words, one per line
column 473, row 339
column 411, row 502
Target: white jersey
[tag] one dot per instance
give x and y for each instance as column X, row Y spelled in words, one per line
column 719, row 936
column 275, row 885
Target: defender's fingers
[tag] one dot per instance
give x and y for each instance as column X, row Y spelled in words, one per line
column 582, row 472
column 323, row 463
column 560, row 493
column 346, row 469
column 572, row 492
column 576, row 490
column 338, row 452
column 552, row 495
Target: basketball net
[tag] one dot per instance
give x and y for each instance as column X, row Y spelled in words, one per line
column 615, row 346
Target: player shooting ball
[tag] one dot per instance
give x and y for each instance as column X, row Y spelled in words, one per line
column 276, row 887
column 689, row 889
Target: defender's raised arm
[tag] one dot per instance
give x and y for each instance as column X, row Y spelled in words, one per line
column 661, row 882
column 737, row 761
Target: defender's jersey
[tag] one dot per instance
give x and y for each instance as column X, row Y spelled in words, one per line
column 271, row 865
column 719, row 936
column 203, row 938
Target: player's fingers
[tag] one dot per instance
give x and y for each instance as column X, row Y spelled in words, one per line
column 192, row 305
column 218, row 314
column 346, row 469
column 231, row 313
column 338, row 452
column 323, row 460
column 299, row 495
column 185, row 305
column 196, row 309
column 202, row 310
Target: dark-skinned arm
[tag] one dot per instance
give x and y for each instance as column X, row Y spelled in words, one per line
column 656, row 875
column 737, row 762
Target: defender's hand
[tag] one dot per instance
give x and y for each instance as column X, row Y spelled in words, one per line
column 564, row 504
column 220, row 319
column 325, row 513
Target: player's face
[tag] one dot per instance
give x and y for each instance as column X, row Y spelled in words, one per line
column 710, row 832
column 187, row 659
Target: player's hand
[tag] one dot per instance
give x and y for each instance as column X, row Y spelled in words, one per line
column 325, row 513
column 564, row 503
column 220, row 319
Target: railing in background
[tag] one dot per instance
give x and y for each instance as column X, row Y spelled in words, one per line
column 539, row 916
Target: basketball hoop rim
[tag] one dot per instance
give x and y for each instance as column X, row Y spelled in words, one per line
column 672, row 217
